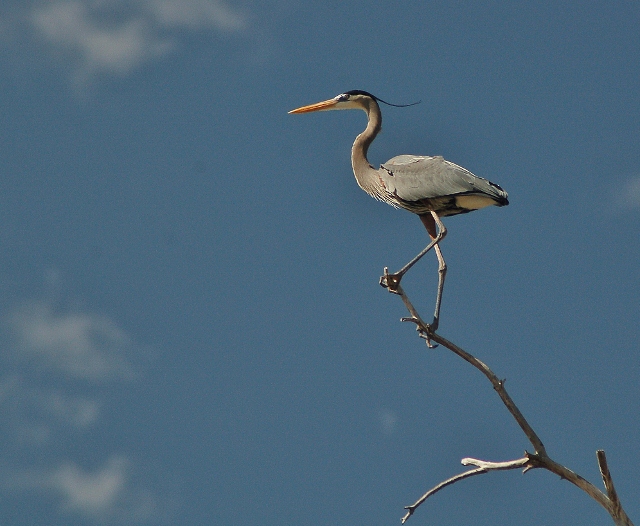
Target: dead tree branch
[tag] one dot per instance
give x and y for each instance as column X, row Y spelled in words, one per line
column 483, row 467
column 538, row 459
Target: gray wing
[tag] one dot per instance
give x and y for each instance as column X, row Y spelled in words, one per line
column 414, row 178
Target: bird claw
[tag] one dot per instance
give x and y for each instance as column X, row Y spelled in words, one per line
column 425, row 335
column 424, row 330
column 390, row 281
column 428, row 341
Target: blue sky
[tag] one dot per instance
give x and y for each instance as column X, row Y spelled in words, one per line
column 191, row 323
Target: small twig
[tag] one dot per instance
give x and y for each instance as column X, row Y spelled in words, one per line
column 616, row 511
column 606, row 479
column 435, row 489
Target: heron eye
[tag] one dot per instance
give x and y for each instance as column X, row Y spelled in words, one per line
column 343, row 97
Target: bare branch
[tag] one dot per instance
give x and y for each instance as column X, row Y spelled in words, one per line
column 524, row 462
column 539, row 459
column 482, row 467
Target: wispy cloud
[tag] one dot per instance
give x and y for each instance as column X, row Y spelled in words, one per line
column 80, row 411
column 106, row 495
column 34, row 414
column 195, row 14
column 117, row 36
column 56, row 367
column 62, row 347
column 631, row 193
column 77, row 344
column 388, row 421
column 74, row 28
column 92, row 493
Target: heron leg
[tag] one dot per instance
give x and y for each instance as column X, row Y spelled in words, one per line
column 392, row 281
column 442, row 272
column 430, row 223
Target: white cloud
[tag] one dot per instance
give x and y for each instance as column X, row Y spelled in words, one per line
column 117, row 36
column 79, row 345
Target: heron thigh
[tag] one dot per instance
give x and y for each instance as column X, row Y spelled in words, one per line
column 429, row 223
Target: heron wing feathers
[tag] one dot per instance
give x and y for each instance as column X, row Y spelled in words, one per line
column 413, row 178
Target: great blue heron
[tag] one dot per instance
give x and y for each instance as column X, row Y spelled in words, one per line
column 430, row 187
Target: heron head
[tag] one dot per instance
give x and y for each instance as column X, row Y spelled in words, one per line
column 349, row 100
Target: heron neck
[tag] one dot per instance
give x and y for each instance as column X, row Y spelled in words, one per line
column 362, row 169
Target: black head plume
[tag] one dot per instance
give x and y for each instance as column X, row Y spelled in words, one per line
column 378, row 99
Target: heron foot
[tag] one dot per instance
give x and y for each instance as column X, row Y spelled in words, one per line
column 390, row 281
column 424, row 330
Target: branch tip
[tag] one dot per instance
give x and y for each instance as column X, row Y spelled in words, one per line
column 616, row 506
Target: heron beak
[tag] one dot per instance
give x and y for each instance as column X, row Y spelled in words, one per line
column 318, row 106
